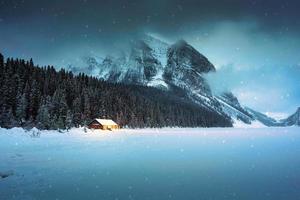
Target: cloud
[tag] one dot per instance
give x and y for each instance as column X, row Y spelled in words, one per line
column 265, row 88
column 245, row 44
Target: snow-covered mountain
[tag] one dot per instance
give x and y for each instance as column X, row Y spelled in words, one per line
column 264, row 119
column 293, row 120
column 152, row 62
column 175, row 67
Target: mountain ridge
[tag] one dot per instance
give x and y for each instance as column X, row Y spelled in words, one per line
column 292, row 120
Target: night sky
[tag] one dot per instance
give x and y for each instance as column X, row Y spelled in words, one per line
column 255, row 45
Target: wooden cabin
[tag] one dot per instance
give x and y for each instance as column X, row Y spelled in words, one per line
column 103, row 124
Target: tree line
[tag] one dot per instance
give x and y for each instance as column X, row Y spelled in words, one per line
column 33, row 96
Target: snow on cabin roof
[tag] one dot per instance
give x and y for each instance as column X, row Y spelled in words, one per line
column 108, row 122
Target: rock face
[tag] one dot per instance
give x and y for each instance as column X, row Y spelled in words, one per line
column 293, row 120
column 185, row 66
column 142, row 65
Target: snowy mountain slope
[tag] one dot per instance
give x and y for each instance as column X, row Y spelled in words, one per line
column 254, row 124
column 243, row 117
column 185, row 67
column 232, row 108
column 144, row 65
column 111, row 68
column 266, row 120
column 293, row 120
column 159, row 48
column 87, row 64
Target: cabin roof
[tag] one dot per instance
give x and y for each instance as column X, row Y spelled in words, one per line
column 107, row 122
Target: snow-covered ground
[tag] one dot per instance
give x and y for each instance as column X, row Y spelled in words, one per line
column 254, row 124
column 169, row 163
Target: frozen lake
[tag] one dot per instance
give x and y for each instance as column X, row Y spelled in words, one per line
column 155, row 164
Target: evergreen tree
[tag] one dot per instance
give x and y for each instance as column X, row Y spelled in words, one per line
column 86, row 109
column 77, row 112
column 60, row 108
column 7, row 118
column 69, row 120
column 35, row 96
column 1, row 62
column 43, row 118
column 21, row 108
column 27, row 97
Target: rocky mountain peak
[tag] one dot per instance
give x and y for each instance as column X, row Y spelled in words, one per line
column 185, row 55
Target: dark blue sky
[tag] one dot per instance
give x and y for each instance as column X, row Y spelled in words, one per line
column 254, row 44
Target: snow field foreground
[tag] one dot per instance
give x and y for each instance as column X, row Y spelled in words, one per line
column 168, row 163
